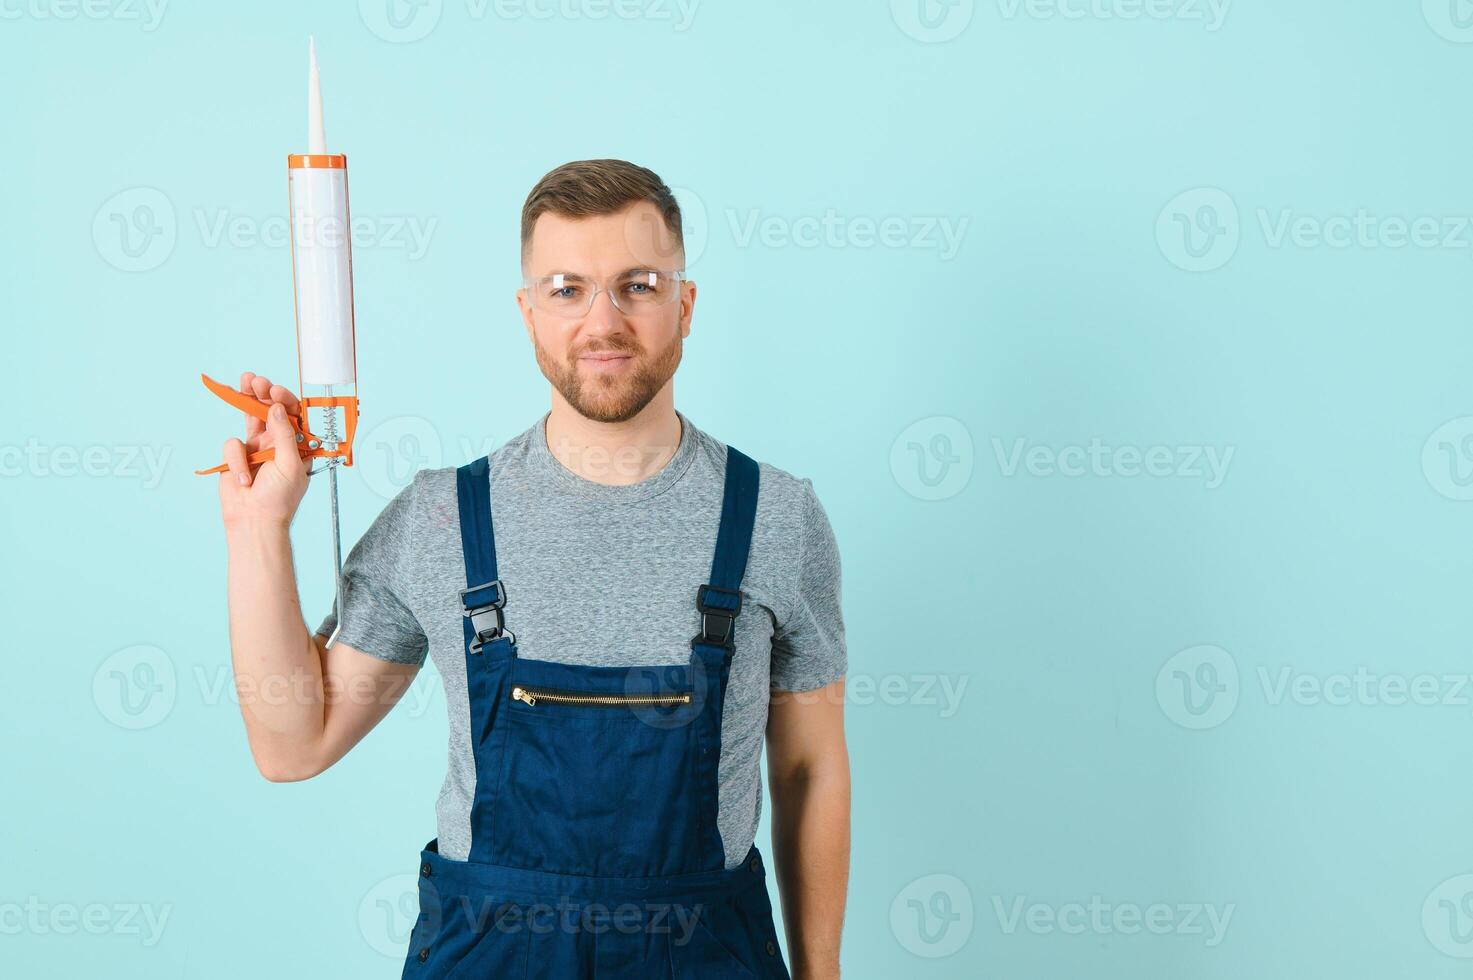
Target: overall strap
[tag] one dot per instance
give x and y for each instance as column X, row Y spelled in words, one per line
column 720, row 600
column 484, row 596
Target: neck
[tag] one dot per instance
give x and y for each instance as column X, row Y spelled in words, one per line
column 615, row 453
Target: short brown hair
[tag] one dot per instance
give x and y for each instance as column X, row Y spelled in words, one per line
column 585, row 188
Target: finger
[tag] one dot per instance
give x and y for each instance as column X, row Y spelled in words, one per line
column 235, row 459
column 280, row 393
column 281, row 434
column 254, row 426
column 261, row 388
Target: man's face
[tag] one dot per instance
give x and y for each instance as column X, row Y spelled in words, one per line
column 607, row 364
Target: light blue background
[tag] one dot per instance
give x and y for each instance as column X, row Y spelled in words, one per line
column 1073, row 148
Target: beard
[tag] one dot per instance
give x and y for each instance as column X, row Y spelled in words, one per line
column 603, row 398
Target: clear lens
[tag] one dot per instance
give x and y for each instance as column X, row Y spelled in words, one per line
column 633, row 292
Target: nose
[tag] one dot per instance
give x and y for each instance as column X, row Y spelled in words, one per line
column 603, row 316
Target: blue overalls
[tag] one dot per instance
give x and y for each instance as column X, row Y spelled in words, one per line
column 595, row 851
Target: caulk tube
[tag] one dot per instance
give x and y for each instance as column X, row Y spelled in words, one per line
column 322, row 266
column 322, row 251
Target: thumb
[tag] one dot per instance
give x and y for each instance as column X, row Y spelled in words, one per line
column 283, row 437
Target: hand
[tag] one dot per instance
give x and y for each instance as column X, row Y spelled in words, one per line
column 270, row 492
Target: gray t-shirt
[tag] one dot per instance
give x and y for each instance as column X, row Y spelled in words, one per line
column 606, row 576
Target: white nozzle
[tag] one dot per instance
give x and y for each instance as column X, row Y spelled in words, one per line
column 316, row 135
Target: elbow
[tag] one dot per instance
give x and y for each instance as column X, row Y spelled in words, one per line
column 287, row 770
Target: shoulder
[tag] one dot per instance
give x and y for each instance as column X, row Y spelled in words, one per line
column 784, row 499
column 435, row 485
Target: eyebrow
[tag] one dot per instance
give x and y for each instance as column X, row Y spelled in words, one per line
column 566, row 274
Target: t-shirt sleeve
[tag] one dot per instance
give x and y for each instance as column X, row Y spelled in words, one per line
column 808, row 645
column 376, row 618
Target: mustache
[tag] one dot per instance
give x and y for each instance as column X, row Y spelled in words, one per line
column 610, row 347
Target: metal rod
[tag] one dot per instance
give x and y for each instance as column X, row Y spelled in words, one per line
column 330, row 435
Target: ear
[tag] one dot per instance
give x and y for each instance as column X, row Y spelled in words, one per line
column 687, row 306
column 526, row 308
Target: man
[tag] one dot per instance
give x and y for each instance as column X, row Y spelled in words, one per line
column 603, row 790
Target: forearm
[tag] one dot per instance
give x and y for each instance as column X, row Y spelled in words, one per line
column 810, row 809
column 278, row 669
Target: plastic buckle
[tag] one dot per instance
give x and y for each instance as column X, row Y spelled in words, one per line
column 487, row 621
column 718, row 618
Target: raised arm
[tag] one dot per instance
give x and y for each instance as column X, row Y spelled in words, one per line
column 304, row 706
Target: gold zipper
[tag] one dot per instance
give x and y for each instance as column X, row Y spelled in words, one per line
column 530, row 696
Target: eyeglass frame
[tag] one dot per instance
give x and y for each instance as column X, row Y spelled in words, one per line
column 677, row 274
